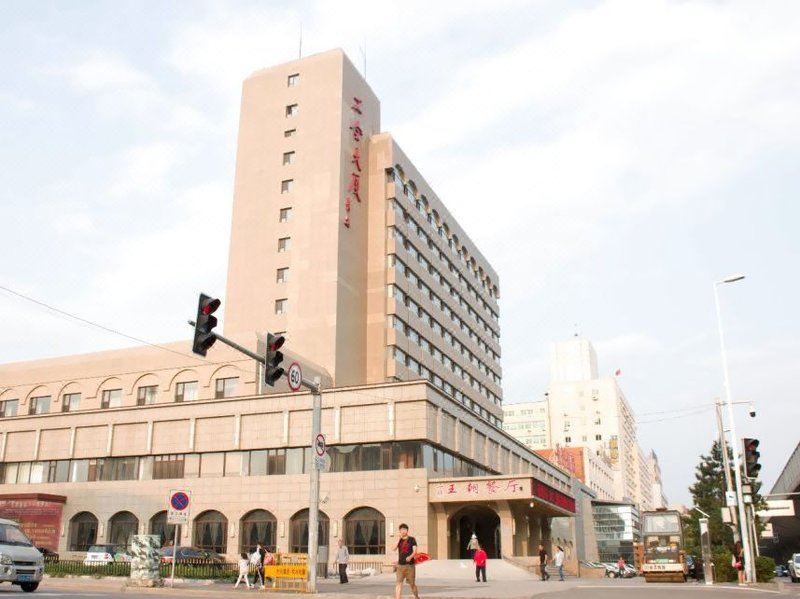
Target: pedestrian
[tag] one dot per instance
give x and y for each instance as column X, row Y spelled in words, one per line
column 472, row 546
column 621, row 566
column 406, row 548
column 341, row 559
column 558, row 562
column 480, row 563
column 257, row 561
column 244, row 569
column 543, row 562
column 737, row 561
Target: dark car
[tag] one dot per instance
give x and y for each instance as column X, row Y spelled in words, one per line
column 190, row 555
column 49, row 555
column 781, row 571
column 694, row 567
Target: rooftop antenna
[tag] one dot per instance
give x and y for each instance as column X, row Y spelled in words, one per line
column 300, row 45
column 575, row 334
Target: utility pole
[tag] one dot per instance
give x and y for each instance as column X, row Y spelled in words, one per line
column 727, row 467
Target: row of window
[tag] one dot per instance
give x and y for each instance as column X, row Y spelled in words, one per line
column 414, row 366
column 364, row 531
column 112, row 398
column 440, row 357
column 403, row 242
column 442, row 231
column 258, row 462
column 393, row 291
column 451, row 290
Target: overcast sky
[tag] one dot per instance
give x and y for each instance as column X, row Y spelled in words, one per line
column 610, row 159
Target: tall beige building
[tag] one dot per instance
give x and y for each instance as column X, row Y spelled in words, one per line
column 338, row 243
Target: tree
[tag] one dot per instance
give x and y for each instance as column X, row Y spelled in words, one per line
column 708, row 494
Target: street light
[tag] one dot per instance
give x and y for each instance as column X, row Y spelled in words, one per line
column 737, row 468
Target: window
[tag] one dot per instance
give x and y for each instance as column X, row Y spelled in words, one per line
column 146, row 395
column 211, row 531
column 112, row 398
column 258, row 526
column 121, row 527
column 288, row 158
column 598, row 437
column 39, row 405
column 168, row 466
column 281, row 306
column 226, row 387
column 287, row 185
column 82, row 531
column 291, row 111
column 282, row 275
column 284, row 215
column 186, row 391
column 70, row 402
column 567, row 439
column 292, row 80
column 364, row 531
column 290, row 133
column 284, row 243
column 298, row 531
column 8, row 408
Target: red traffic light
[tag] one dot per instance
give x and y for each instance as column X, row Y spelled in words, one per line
column 276, row 342
column 209, row 306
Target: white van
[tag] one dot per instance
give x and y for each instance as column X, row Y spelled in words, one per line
column 20, row 562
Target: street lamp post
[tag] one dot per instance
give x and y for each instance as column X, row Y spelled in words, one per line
column 744, row 533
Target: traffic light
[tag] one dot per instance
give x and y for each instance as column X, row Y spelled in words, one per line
column 272, row 369
column 750, row 457
column 204, row 323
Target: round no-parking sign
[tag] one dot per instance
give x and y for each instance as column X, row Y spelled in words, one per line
column 178, row 507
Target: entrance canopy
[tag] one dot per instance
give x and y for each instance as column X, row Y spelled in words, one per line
column 519, row 490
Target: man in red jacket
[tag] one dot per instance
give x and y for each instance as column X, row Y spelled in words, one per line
column 480, row 564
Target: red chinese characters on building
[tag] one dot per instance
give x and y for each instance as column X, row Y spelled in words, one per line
column 553, row 496
column 354, row 181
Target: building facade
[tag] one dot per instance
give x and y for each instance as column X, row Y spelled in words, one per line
column 339, row 244
column 580, row 409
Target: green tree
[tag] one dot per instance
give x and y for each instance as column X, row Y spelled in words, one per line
column 708, row 494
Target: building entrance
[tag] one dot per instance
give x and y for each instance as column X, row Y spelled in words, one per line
column 483, row 522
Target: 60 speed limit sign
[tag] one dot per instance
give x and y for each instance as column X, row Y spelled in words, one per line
column 295, row 376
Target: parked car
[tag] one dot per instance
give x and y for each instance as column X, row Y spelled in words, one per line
column 105, row 553
column 612, row 571
column 794, row 567
column 694, row 567
column 781, row 571
column 191, row 555
column 20, row 563
column 50, row 556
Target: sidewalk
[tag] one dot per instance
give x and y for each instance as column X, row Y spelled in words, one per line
column 432, row 584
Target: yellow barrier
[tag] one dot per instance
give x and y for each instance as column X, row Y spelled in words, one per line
column 289, row 573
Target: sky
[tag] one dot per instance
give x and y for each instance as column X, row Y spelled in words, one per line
column 611, row 159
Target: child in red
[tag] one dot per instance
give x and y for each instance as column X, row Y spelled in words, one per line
column 480, row 564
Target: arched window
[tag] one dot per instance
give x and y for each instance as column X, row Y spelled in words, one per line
column 365, row 531
column 211, row 531
column 159, row 526
column 121, row 527
column 298, row 538
column 82, row 531
column 257, row 526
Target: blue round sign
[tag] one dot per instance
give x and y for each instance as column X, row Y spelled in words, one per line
column 179, row 501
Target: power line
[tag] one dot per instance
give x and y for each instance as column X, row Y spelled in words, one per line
column 94, row 324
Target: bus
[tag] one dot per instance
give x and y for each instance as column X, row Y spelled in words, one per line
column 662, row 539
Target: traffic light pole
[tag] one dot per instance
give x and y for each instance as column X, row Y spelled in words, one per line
column 313, row 499
column 235, row 345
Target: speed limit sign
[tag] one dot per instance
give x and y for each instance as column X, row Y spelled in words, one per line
column 295, row 376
